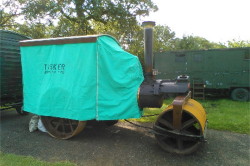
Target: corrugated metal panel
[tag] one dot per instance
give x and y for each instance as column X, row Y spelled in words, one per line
column 10, row 65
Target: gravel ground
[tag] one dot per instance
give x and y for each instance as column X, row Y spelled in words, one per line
column 119, row 145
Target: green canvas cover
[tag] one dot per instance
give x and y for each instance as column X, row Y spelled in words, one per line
column 81, row 81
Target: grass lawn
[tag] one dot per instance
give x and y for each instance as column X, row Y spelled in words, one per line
column 17, row 160
column 222, row 114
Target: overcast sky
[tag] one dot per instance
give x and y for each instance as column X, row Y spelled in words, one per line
column 215, row 20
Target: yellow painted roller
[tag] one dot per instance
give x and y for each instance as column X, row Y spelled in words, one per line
column 181, row 127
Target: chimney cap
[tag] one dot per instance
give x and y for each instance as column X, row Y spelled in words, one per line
column 148, row 24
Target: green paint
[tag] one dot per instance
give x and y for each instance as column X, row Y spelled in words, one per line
column 217, row 68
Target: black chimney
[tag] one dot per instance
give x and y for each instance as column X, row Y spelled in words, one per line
column 148, row 49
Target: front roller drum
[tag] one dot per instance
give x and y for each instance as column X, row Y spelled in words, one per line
column 181, row 127
column 62, row 128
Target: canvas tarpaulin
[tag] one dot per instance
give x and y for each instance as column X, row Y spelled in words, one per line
column 82, row 80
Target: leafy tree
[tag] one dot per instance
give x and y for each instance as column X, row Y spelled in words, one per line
column 66, row 27
column 79, row 14
column 240, row 43
column 195, row 43
column 164, row 38
column 132, row 38
column 35, row 30
column 9, row 10
column 163, row 41
column 77, row 17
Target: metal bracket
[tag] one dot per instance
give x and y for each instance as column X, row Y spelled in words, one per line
column 178, row 103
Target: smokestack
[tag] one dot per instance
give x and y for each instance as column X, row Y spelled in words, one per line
column 148, row 48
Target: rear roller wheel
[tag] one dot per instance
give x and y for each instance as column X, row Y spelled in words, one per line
column 62, row 128
column 177, row 143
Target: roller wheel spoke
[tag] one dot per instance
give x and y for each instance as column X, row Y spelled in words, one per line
column 188, row 123
column 166, row 123
column 180, row 143
column 57, row 125
column 71, row 126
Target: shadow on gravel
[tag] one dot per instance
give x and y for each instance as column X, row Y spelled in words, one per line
column 121, row 144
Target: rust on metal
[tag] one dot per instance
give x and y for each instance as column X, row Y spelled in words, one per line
column 178, row 103
column 58, row 41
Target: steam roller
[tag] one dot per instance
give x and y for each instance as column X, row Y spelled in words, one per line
column 179, row 129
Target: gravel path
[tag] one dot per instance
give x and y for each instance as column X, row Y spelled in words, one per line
column 119, row 145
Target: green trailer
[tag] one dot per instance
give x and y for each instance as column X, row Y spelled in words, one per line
column 215, row 71
column 10, row 71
